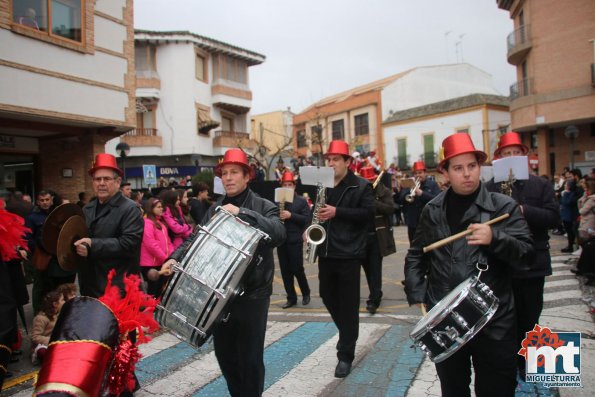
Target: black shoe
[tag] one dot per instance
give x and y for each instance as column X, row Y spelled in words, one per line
column 567, row 249
column 288, row 304
column 305, row 300
column 576, row 271
column 343, row 369
column 371, row 308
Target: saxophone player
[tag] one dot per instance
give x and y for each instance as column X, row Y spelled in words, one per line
column 426, row 190
column 291, row 252
column 349, row 206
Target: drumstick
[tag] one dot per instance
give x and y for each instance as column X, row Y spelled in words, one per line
column 464, row 233
column 423, row 309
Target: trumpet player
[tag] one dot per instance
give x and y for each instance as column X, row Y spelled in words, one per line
column 415, row 199
column 349, row 205
column 291, row 252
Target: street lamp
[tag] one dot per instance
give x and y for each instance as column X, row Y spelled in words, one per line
column 571, row 132
column 124, row 150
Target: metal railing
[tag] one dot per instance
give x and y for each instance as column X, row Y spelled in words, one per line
column 403, row 162
column 232, row 134
column 519, row 36
column 142, row 132
column 429, row 159
column 521, row 88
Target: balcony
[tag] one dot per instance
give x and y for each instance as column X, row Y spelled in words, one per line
column 521, row 88
column 429, row 159
column 403, row 162
column 142, row 137
column 230, row 139
column 519, row 44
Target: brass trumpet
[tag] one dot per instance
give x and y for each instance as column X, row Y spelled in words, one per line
column 411, row 196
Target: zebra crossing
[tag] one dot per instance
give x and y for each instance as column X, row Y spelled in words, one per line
column 300, row 356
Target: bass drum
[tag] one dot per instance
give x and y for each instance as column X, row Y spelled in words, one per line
column 208, row 277
column 455, row 320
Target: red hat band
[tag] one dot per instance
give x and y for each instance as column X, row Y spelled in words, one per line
column 510, row 139
column 287, row 177
column 237, row 157
column 419, row 166
column 338, row 147
column 367, row 173
column 105, row 160
column 457, row 144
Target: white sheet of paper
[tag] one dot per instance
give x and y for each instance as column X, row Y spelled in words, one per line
column 518, row 164
column 218, row 186
column 312, row 175
column 487, row 173
column 283, row 194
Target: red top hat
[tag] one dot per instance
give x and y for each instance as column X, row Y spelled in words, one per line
column 287, row 177
column 510, row 139
column 419, row 166
column 105, row 160
column 457, row 144
column 235, row 156
column 368, row 173
column 338, row 147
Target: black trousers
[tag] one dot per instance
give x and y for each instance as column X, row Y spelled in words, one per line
column 291, row 262
column 494, row 363
column 373, row 269
column 239, row 347
column 339, row 290
column 570, row 232
column 411, row 233
column 528, row 303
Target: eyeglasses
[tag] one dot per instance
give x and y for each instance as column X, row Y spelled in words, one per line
column 100, row 179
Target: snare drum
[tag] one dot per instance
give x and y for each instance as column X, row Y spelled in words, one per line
column 457, row 318
column 208, row 277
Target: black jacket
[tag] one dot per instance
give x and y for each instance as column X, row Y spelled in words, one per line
column 346, row 233
column 116, row 237
column 430, row 277
column 412, row 211
column 294, row 226
column 542, row 213
column 198, row 209
column 260, row 214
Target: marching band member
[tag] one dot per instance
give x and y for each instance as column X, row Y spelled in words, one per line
column 414, row 202
column 537, row 203
column 503, row 247
column 239, row 342
column 380, row 241
column 349, row 206
column 291, row 252
column 356, row 163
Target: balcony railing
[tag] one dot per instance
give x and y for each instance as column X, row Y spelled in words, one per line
column 521, row 88
column 519, row 44
column 142, row 132
column 593, row 74
column 403, row 162
column 233, row 139
column 429, row 159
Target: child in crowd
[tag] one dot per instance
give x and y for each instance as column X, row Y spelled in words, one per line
column 43, row 324
column 68, row 290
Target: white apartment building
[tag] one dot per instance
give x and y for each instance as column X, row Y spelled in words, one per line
column 193, row 102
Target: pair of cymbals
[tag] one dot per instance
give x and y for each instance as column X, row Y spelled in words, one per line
column 63, row 226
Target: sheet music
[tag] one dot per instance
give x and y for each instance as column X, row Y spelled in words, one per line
column 518, row 164
column 312, row 175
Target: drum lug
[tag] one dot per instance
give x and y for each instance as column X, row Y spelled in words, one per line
column 258, row 260
column 226, row 318
column 460, row 320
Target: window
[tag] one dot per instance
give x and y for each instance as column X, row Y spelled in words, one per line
column 533, row 137
column 226, row 123
column 552, row 137
column 316, row 134
column 361, row 124
column 338, row 129
column 144, row 59
column 429, row 155
column 63, row 17
column 402, row 162
column 301, row 138
column 230, row 69
column 201, row 66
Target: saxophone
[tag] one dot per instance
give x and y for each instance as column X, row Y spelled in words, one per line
column 315, row 234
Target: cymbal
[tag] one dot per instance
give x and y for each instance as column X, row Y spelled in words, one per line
column 54, row 222
column 73, row 229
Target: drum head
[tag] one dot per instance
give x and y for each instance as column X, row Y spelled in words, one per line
column 73, row 229
column 440, row 311
column 54, row 222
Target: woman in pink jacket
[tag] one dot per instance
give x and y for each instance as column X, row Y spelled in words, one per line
column 156, row 246
column 173, row 217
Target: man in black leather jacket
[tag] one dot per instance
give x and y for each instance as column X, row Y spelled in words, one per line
column 239, row 342
column 349, row 207
column 537, row 203
column 505, row 246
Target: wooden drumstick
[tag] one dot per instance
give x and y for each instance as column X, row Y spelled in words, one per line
column 424, row 311
column 464, row 233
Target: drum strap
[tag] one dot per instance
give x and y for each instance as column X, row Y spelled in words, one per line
column 482, row 260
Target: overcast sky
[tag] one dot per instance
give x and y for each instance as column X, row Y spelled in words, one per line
column 317, row 48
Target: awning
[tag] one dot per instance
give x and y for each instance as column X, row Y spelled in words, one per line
column 205, row 122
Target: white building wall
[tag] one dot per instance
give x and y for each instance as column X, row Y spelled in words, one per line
column 441, row 126
column 109, row 35
column 112, row 8
column 427, row 85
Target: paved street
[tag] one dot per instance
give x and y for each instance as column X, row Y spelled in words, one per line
column 300, row 345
